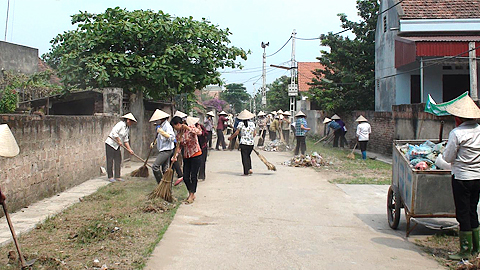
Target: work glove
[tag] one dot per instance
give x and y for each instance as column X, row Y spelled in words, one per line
column 163, row 133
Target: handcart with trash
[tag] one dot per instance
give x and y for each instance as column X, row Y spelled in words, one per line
column 421, row 179
column 423, row 191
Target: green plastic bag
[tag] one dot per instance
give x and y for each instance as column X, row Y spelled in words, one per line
column 439, row 109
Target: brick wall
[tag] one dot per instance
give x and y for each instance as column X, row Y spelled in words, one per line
column 56, row 153
column 383, row 130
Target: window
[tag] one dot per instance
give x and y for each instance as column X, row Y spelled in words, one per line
column 384, row 24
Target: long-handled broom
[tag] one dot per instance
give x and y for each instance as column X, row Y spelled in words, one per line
column 352, row 155
column 269, row 165
column 135, row 155
column 143, row 171
column 164, row 188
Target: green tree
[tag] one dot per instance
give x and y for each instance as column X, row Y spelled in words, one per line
column 348, row 78
column 236, row 95
column 277, row 95
column 142, row 50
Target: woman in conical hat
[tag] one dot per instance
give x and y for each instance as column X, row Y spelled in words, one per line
column 463, row 152
column 246, row 129
column 118, row 135
column 301, row 129
column 262, row 127
column 165, row 143
column 363, row 134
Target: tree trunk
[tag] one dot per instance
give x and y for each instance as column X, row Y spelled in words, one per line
column 137, row 134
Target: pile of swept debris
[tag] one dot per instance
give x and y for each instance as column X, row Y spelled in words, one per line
column 275, row 146
column 313, row 160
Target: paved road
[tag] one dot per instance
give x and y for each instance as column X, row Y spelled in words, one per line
column 289, row 219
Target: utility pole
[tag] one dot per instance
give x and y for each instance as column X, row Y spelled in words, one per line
column 254, row 100
column 293, row 87
column 264, row 76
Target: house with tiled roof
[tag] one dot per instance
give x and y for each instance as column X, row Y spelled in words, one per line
column 426, row 47
column 305, row 77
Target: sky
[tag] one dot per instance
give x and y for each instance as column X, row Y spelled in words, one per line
column 34, row 23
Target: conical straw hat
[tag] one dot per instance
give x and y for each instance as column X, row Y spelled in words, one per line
column 211, row 113
column 287, row 113
column 245, row 115
column 280, row 112
column 361, row 119
column 222, row 112
column 261, row 113
column 191, row 121
column 180, row 114
column 129, row 116
column 327, row 120
column 158, row 115
column 8, row 144
column 274, row 112
column 465, row 108
column 335, row 117
column 300, row 113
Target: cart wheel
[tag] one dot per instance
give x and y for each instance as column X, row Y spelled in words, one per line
column 393, row 208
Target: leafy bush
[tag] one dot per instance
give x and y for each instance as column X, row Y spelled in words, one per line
column 8, row 102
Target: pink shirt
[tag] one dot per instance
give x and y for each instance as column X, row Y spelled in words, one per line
column 189, row 141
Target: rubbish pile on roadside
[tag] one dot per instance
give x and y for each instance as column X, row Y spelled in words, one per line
column 276, row 146
column 426, row 156
column 313, row 160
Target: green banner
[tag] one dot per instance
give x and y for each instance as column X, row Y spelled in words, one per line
column 439, row 109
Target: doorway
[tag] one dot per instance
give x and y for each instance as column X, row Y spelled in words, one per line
column 455, row 85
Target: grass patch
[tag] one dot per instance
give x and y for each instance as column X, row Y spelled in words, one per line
column 117, row 225
column 439, row 246
column 355, row 171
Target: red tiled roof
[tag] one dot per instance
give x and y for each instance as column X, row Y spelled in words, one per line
column 305, row 74
column 440, row 9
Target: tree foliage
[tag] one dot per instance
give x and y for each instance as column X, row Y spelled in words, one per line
column 216, row 103
column 277, row 94
column 349, row 65
column 161, row 55
column 236, row 95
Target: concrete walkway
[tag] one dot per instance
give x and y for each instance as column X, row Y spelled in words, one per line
column 289, row 219
column 27, row 218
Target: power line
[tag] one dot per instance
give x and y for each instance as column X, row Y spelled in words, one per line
column 390, row 7
column 345, row 30
column 281, row 47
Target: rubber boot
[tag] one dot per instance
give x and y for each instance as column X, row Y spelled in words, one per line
column 465, row 246
column 158, row 176
column 475, row 240
column 364, row 154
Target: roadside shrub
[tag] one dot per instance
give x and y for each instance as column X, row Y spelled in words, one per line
column 8, row 102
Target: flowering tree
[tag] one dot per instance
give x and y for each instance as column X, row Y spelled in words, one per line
column 216, row 103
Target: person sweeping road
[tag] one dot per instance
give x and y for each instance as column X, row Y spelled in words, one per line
column 363, row 134
column 221, row 125
column 301, row 129
column 262, row 127
column 463, row 152
column 247, row 130
column 187, row 138
column 164, row 142
column 285, row 125
column 118, row 136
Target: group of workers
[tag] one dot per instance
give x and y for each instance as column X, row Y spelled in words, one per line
column 185, row 136
column 362, row 134
column 182, row 138
column 462, row 151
